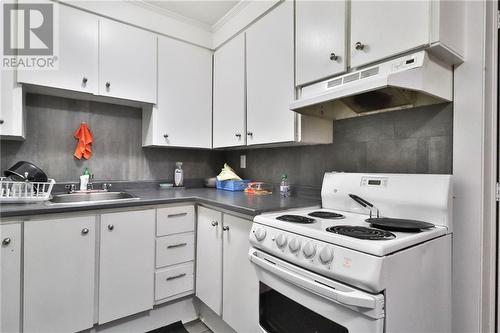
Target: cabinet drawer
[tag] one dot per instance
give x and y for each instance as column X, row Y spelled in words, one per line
column 174, row 220
column 174, row 249
column 174, row 280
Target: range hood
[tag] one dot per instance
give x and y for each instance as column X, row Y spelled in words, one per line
column 406, row 82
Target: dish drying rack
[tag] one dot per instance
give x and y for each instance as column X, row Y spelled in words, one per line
column 24, row 192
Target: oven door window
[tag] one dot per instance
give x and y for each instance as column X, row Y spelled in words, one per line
column 280, row 314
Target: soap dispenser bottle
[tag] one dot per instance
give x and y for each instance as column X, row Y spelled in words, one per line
column 178, row 175
column 84, row 179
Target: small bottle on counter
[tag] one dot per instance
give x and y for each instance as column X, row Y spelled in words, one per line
column 284, row 186
column 178, row 175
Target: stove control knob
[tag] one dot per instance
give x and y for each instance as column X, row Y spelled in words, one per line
column 326, row 256
column 260, row 234
column 281, row 241
column 294, row 245
column 309, row 250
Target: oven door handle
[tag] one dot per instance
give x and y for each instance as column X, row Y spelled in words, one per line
column 349, row 298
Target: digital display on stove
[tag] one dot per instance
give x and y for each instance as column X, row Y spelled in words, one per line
column 376, row 182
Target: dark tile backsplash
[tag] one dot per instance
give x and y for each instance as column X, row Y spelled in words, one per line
column 413, row 141
column 408, row 141
column 117, row 150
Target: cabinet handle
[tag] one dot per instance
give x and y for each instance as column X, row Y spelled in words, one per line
column 110, row 227
column 108, row 84
column 6, row 241
column 176, row 276
column 238, row 135
column 333, row 57
column 215, row 223
column 359, row 46
column 176, row 245
column 165, row 136
column 176, row 215
column 250, row 133
column 85, row 231
column 85, row 80
column 1, row 121
column 225, row 228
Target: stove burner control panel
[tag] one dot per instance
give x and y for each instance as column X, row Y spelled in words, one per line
column 329, row 260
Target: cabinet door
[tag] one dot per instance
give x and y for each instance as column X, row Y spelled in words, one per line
column 184, row 95
column 387, row 28
column 270, row 77
column 59, row 266
column 209, row 258
column 78, row 54
column 12, row 104
column 10, row 278
column 320, row 39
column 229, row 94
column 127, row 62
column 241, row 285
column 126, row 267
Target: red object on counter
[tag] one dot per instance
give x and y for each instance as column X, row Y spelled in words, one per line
column 85, row 139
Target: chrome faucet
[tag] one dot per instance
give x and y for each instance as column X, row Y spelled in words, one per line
column 90, row 185
column 106, row 186
column 71, row 188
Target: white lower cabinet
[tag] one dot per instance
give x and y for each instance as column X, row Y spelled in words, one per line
column 240, row 296
column 10, row 278
column 209, row 258
column 225, row 279
column 174, row 280
column 126, row 267
column 59, row 267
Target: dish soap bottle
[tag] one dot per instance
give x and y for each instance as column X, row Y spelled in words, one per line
column 178, row 175
column 84, row 179
column 284, row 186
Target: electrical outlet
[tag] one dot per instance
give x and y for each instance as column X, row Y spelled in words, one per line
column 243, row 161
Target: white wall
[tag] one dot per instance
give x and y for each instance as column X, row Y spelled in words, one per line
column 147, row 19
column 468, row 167
column 240, row 20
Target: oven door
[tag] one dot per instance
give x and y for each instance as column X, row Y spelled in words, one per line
column 296, row 300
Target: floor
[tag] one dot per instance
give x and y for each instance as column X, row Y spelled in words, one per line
column 197, row 326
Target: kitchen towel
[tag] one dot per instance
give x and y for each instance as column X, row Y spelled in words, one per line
column 84, row 136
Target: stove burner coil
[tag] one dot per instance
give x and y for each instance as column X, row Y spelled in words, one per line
column 327, row 215
column 361, row 232
column 296, row 219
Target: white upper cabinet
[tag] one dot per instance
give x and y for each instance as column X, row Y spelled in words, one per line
column 59, row 268
column 127, row 261
column 77, row 56
column 320, row 34
column 381, row 29
column 270, row 77
column 229, row 94
column 183, row 115
column 127, row 62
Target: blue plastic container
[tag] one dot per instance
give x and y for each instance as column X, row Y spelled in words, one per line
column 232, row 185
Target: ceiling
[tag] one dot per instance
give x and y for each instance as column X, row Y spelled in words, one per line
column 208, row 12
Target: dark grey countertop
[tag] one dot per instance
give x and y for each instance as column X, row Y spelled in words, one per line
column 235, row 201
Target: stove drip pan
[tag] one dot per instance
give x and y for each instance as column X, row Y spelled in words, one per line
column 327, row 215
column 361, row 232
column 296, row 219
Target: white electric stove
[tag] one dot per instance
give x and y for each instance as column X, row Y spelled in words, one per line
column 372, row 279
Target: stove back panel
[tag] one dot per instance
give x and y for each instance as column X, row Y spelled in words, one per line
column 412, row 196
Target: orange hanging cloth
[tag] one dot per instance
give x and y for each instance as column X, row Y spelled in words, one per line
column 84, row 136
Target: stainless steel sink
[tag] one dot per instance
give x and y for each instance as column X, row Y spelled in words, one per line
column 91, row 197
